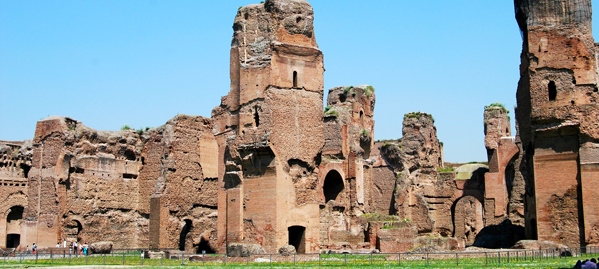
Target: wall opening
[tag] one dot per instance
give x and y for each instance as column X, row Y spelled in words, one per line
column 184, row 233
column 294, row 79
column 130, row 155
column 552, row 91
column 204, row 246
column 13, row 226
column 256, row 115
column 297, row 238
column 467, row 214
column 333, row 185
column 73, row 231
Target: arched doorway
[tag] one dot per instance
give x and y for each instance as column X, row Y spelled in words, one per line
column 13, row 226
column 467, row 218
column 297, row 238
column 184, row 232
column 73, row 231
column 332, row 186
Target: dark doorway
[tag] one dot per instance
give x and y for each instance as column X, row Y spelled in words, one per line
column 294, row 79
column 297, row 238
column 204, row 246
column 73, row 230
column 184, row 232
column 552, row 91
column 333, row 185
column 13, row 240
column 13, row 227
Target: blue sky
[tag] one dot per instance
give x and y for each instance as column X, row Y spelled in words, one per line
column 109, row 63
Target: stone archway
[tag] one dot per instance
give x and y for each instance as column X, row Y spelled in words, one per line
column 467, row 218
column 73, row 230
column 13, row 226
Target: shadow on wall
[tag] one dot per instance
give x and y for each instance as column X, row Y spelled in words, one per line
column 503, row 235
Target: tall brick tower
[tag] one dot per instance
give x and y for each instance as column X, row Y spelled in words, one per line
column 557, row 120
column 270, row 129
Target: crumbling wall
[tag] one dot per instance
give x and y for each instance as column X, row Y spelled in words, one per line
column 15, row 163
column 88, row 179
column 420, row 195
column 557, row 112
column 348, row 142
column 499, row 181
column 270, row 129
column 180, row 160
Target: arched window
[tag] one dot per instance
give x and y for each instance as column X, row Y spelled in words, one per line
column 294, row 79
column 332, row 186
column 13, row 227
column 552, row 91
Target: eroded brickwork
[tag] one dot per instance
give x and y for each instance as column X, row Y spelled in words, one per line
column 556, row 114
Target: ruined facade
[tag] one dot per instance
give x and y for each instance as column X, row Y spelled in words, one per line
column 271, row 169
column 557, row 120
column 133, row 188
column 270, row 130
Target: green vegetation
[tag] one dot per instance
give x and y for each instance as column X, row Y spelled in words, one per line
column 445, row 169
column 418, row 114
column 369, row 90
column 492, row 259
column 381, row 217
column 365, row 132
column 126, row 127
column 499, row 105
column 327, row 108
column 346, row 90
column 141, row 130
column 331, row 112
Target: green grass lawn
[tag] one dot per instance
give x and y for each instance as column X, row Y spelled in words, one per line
column 301, row 261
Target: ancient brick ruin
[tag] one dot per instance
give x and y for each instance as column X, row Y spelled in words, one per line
column 557, row 120
column 270, row 169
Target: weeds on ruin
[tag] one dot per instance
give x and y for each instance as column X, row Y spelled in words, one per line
column 365, row 132
column 346, row 90
column 331, row 112
column 499, row 105
column 381, row 217
column 369, row 90
column 125, row 127
column 327, row 108
column 417, row 115
column 445, row 169
column 142, row 130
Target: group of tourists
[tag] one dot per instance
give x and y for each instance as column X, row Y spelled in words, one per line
column 586, row 264
column 79, row 248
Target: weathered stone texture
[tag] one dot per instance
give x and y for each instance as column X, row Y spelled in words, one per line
column 182, row 183
column 556, row 115
column 270, row 128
